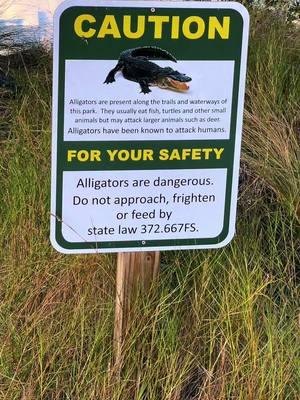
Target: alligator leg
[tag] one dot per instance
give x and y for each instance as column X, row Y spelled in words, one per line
column 111, row 75
column 144, row 87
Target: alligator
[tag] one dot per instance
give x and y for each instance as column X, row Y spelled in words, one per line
column 136, row 67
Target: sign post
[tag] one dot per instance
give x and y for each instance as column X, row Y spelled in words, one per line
column 134, row 271
column 147, row 121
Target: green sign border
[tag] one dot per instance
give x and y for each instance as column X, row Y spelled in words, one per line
column 65, row 49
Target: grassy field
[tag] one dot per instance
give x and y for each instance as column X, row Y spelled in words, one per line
column 218, row 325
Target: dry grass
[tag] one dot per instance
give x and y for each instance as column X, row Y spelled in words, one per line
column 218, row 325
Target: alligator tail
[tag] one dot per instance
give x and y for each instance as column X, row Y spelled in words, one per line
column 150, row 52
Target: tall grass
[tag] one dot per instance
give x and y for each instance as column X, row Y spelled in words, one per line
column 217, row 325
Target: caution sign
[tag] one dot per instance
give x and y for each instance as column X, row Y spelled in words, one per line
column 147, row 119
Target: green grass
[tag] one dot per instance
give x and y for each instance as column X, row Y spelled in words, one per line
column 220, row 324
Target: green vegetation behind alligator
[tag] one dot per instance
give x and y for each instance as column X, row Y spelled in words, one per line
column 135, row 66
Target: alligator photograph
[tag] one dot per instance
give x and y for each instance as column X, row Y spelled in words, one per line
column 135, row 66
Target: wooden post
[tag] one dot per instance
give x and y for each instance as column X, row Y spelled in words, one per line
column 133, row 270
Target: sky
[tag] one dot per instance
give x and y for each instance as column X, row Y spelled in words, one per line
column 27, row 12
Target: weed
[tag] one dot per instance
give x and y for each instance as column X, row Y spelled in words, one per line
column 220, row 324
